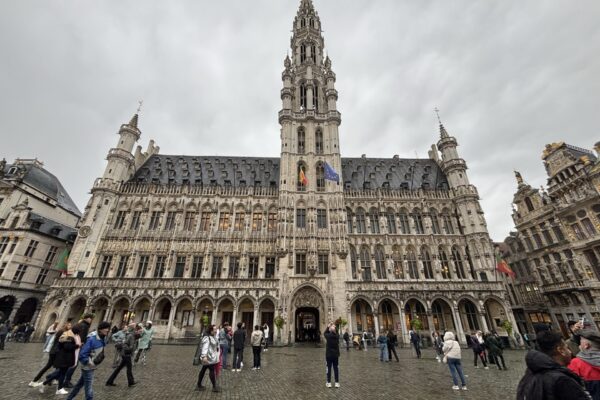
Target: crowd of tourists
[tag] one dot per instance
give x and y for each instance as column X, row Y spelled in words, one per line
column 556, row 369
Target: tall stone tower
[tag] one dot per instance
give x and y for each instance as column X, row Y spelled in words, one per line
column 120, row 167
column 469, row 213
column 312, row 230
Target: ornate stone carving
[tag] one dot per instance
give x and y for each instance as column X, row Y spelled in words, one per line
column 308, row 297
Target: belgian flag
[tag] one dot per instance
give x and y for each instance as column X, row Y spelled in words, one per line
column 503, row 267
column 63, row 262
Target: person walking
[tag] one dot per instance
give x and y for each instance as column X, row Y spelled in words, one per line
column 4, row 329
column 266, row 331
column 494, row 346
column 49, row 336
column 209, row 358
column 332, row 354
column 143, row 344
column 587, row 362
column 392, row 343
column 224, row 338
column 118, row 337
column 239, row 339
column 67, row 355
column 382, row 341
column 347, row 339
column 84, row 325
column 415, row 339
column 90, row 356
column 365, row 338
column 477, row 344
column 438, row 344
column 546, row 376
column 256, row 340
column 125, row 348
column 452, row 355
column 53, row 344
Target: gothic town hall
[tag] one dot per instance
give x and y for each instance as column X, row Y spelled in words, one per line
column 308, row 237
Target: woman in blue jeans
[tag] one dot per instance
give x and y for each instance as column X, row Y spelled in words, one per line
column 452, row 354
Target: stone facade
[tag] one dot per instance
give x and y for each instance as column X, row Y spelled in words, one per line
column 37, row 224
column 555, row 250
column 183, row 239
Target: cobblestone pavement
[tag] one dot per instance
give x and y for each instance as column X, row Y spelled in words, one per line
column 287, row 373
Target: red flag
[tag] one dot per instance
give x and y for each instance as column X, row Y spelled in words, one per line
column 302, row 178
column 503, row 267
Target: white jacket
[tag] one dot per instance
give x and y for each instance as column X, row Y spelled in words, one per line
column 451, row 347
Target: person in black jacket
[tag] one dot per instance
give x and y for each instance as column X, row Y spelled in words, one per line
column 392, row 343
column 547, row 377
column 239, row 338
column 66, row 357
column 332, row 354
column 84, row 328
column 51, row 356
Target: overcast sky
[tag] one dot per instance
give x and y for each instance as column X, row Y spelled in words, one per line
column 507, row 76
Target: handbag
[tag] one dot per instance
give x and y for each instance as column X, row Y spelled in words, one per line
column 99, row 358
column 445, row 358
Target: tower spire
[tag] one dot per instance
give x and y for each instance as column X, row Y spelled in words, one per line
column 443, row 133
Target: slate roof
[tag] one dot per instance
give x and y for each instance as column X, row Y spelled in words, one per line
column 40, row 179
column 52, row 228
column 357, row 173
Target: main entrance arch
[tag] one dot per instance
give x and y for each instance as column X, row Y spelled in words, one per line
column 307, row 315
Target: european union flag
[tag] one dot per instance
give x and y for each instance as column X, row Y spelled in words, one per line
column 330, row 173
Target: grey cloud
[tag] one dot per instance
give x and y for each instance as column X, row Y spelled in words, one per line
column 508, row 76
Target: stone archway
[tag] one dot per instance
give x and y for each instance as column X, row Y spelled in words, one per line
column 6, row 306
column 307, row 317
column 26, row 311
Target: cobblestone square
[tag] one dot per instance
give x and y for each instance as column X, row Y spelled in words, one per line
column 287, row 373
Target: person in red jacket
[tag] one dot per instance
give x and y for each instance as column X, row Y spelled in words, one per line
column 587, row 362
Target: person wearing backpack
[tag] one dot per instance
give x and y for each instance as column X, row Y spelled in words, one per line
column 125, row 349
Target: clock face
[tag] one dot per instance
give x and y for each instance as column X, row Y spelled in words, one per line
column 85, row 231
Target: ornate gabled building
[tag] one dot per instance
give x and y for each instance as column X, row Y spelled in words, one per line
column 38, row 222
column 555, row 250
column 309, row 236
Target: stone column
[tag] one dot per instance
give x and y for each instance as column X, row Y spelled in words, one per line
column 404, row 332
column 484, row 326
column 234, row 322
column 376, row 320
column 430, row 321
column 256, row 315
column 460, row 333
column 350, row 327
column 110, row 309
column 14, row 310
column 170, row 324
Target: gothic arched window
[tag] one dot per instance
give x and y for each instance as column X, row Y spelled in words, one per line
column 302, row 53
column 445, row 266
column 374, row 220
column 365, row 263
column 303, row 97
column 353, row 262
column 413, row 270
column 380, row 263
column 301, row 140
column 426, row 258
column 404, row 225
column 447, row 221
column 315, row 98
column 302, row 181
column 529, row 204
column 313, row 53
column 418, row 220
column 349, row 220
column 320, row 177
column 319, row 141
column 458, row 263
column 361, row 226
column 435, row 223
column 391, row 221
